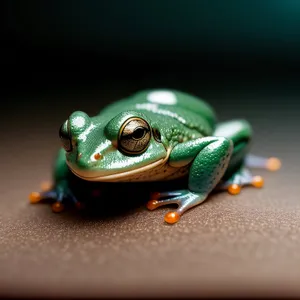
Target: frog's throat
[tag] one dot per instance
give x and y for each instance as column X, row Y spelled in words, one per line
column 119, row 176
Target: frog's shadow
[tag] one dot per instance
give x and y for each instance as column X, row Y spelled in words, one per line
column 118, row 200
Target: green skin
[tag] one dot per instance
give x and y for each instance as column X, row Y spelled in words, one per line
column 191, row 143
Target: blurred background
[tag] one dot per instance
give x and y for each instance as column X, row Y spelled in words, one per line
column 240, row 55
column 50, row 44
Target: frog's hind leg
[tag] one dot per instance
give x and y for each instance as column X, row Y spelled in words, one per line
column 240, row 133
column 242, row 177
column 238, row 173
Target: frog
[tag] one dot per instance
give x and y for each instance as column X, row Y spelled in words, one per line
column 157, row 135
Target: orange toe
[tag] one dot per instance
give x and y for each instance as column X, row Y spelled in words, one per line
column 46, row 186
column 273, row 164
column 152, row 204
column 257, row 181
column 172, row 217
column 234, row 189
column 35, row 197
column 57, row 207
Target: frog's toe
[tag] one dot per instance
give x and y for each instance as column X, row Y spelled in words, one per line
column 273, row 164
column 155, row 197
column 234, row 189
column 59, row 195
column 153, row 204
column 35, row 197
column 257, row 181
column 268, row 163
column 58, row 207
column 172, row 217
column 238, row 180
column 46, row 186
column 184, row 199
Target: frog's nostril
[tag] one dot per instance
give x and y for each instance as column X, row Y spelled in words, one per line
column 98, row 156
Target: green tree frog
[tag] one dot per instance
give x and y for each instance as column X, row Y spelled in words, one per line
column 156, row 135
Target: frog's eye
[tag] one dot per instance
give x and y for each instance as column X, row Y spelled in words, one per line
column 134, row 136
column 65, row 137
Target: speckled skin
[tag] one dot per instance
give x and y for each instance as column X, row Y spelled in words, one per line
column 190, row 142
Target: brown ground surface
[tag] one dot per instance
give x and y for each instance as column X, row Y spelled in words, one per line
column 231, row 245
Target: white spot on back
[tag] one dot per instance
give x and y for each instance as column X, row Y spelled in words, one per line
column 162, row 97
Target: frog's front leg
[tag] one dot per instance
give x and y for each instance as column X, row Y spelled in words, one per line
column 209, row 158
column 60, row 191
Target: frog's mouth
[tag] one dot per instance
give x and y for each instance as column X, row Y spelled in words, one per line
column 91, row 176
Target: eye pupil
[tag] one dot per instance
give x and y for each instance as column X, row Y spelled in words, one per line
column 138, row 133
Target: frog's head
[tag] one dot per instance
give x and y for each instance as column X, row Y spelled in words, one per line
column 127, row 145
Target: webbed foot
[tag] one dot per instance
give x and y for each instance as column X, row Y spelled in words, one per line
column 60, row 193
column 185, row 199
column 242, row 178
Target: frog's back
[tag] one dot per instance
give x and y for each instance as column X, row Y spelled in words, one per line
column 173, row 101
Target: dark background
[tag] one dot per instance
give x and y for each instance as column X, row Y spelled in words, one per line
column 59, row 43
column 59, row 56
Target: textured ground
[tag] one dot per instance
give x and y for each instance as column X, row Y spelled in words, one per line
column 230, row 245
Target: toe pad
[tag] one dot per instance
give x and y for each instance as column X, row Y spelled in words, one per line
column 234, row 189
column 57, row 207
column 35, row 197
column 172, row 217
